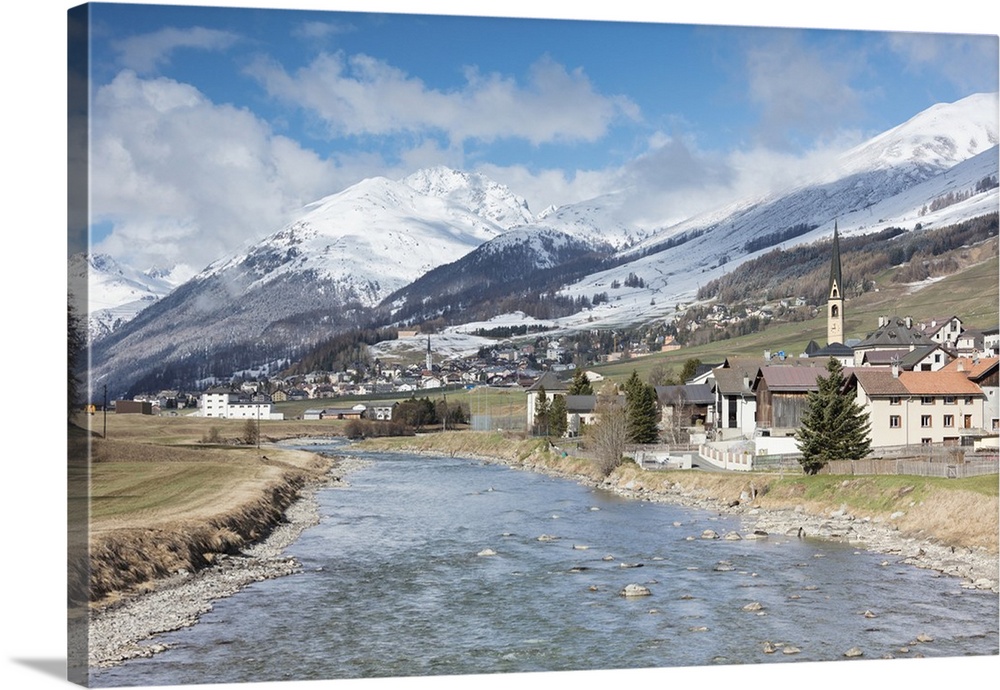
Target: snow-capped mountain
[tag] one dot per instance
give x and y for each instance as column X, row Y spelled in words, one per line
column 442, row 242
column 887, row 181
column 377, row 236
column 319, row 274
column 116, row 292
column 595, row 221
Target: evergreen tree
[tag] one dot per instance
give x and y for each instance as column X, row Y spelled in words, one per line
column 642, row 410
column 557, row 416
column 690, row 369
column 541, row 425
column 834, row 426
column 580, row 385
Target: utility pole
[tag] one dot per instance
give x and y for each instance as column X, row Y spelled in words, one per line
column 105, row 433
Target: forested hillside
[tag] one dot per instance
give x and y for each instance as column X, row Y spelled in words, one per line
column 803, row 271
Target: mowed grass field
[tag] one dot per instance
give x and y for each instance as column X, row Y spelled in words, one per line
column 155, row 471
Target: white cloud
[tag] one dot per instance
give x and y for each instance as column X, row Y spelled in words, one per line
column 185, row 180
column 144, row 53
column 359, row 95
column 800, row 90
column 968, row 62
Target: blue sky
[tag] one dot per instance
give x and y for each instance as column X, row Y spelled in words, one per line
column 212, row 126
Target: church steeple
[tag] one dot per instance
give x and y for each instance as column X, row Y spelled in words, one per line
column 835, row 298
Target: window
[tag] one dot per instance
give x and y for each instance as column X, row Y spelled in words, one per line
column 927, row 400
column 968, row 400
column 894, row 400
column 894, row 421
column 949, row 420
column 950, row 400
column 925, row 442
column 925, row 421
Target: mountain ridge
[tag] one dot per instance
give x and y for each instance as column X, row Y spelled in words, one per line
column 408, row 243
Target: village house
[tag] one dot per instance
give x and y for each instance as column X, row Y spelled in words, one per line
column 983, row 371
column 380, row 411
column 782, row 392
column 686, row 406
column 552, row 385
column 943, row 330
column 735, row 401
column 893, row 333
column 971, row 343
column 918, row 407
column 579, row 413
column 225, row 403
column 927, row 358
column 991, row 342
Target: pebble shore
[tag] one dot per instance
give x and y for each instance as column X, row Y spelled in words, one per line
column 978, row 568
column 125, row 630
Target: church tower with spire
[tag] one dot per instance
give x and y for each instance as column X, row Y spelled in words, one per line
column 835, row 299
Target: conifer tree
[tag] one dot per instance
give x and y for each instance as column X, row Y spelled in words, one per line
column 541, row 413
column 557, row 416
column 580, row 385
column 640, row 402
column 834, row 426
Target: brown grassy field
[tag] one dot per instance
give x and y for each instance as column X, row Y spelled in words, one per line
column 161, row 501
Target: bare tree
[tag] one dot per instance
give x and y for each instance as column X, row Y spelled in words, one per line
column 250, row 432
column 676, row 424
column 610, row 432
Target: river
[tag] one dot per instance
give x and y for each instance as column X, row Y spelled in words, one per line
column 396, row 581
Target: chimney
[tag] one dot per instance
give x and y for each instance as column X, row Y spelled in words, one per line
column 746, row 382
column 909, row 322
column 767, row 355
column 881, row 321
column 961, row 364
column 895, row 368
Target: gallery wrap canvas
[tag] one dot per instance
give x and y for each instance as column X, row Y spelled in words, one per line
column 421, row 346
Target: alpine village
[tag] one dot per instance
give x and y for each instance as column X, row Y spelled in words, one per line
column 914, row 395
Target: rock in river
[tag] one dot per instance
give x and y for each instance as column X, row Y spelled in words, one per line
column 634, row 590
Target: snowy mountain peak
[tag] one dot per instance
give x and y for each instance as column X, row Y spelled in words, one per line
column 941, row 136
column 380, row 234
column 473, row 191
column 115, row 292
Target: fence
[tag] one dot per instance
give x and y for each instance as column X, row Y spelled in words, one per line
column 727, row 460
column 920, row 468
column 785, row 461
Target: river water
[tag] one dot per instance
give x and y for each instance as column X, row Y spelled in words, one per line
column 393, row 584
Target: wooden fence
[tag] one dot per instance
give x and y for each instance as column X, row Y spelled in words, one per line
column 920, row 468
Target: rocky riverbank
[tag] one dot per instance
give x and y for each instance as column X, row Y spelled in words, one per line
column 977, row 567
column 125, row 629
